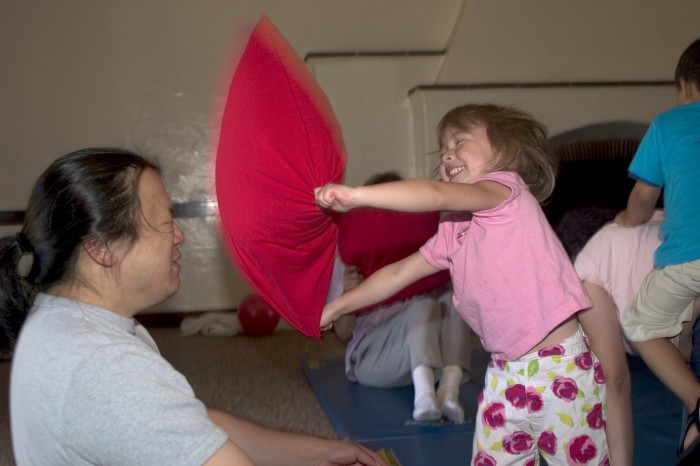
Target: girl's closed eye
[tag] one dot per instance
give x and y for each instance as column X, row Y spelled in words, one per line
column 452, row 144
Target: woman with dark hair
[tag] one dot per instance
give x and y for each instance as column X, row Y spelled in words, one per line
column 88, row 385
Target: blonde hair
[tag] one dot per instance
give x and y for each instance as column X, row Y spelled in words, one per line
column 518, row 140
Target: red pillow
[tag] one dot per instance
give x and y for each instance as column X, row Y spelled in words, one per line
column 370, row 239
column 279, row 139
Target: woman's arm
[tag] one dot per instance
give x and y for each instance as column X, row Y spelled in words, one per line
column 274, row 447
column 602, row 326
column 229, row 455
column 379, row 286
column 415, row 195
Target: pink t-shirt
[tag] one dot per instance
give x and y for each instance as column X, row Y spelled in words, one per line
column 618, row 259
column 512, row 280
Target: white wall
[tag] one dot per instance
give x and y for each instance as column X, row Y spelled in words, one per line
column 148, row 74
column 369, row 97
column 551, row 105
column 566, row 40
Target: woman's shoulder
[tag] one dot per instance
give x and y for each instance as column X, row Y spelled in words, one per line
column 82, row 331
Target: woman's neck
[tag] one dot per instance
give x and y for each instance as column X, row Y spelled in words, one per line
column 86, row 294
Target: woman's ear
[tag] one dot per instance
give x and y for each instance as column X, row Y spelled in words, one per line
column 99, row 251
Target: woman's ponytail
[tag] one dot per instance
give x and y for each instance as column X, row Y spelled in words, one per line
column 15, row 292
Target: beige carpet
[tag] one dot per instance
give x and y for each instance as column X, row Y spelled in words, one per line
column 255, row 378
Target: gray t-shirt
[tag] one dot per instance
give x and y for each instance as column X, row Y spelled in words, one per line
column 90, row 387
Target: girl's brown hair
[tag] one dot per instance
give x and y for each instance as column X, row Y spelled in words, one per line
column 518, row 140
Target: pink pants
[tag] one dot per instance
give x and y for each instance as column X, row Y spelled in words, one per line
column 551, row 402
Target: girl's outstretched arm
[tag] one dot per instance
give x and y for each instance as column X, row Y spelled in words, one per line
column 602, row 327
column 382, row 284
column 415, row 195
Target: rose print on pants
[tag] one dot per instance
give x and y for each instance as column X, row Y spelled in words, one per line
column 551, row 403
column 517, row 396
column 598, row 374
column 584, row 361
column 595, row 417
column 534, row 400
column 565, row 388
column 517, row 443
column 547, row 443
column 580, row 450
column 495, row 415
column 520, row 396
column 483, row 459
column 556, row 350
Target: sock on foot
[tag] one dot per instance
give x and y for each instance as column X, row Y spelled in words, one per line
column 448, row 393
column 425, row 404
column 448, row 400
column 425, row 407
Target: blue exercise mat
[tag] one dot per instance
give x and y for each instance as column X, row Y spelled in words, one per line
column 367, row 413
column 380, row 418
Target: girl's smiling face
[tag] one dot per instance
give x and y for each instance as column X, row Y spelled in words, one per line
column 465, row 154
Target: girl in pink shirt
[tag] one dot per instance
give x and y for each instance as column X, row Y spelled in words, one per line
column 513, row 284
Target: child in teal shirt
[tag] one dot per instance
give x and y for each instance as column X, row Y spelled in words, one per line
column 668, row 158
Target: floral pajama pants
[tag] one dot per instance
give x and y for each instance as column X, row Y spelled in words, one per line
column 551, row 402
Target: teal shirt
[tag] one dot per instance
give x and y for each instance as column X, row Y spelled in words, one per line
column 669, row 157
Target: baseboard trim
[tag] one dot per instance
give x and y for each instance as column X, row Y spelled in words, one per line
column 162, row 319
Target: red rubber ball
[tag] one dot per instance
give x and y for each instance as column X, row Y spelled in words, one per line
column 257, row 318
